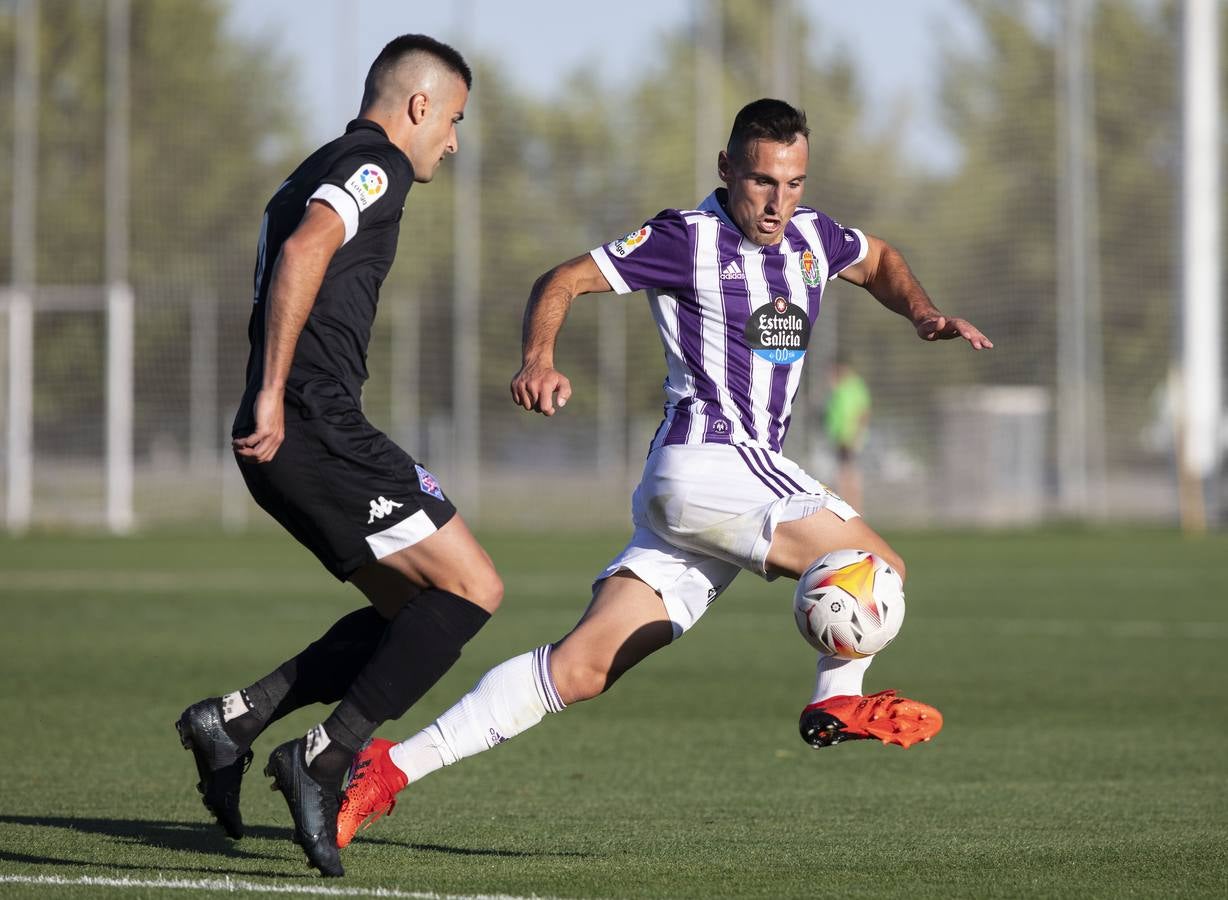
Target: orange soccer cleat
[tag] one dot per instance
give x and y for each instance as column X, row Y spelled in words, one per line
column 371, row 792
column 885, row 716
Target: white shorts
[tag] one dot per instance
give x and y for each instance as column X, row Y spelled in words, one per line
column 705, row 512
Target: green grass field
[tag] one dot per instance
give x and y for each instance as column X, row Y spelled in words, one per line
column 1084, row 680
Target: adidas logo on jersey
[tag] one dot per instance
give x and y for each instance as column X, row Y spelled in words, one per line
column 732, row 272
column 381, row 508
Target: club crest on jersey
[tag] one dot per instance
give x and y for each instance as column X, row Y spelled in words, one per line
column 428, row 484
column 623, row 247
column 778, row 332
column 367, row 185
column 810, row 269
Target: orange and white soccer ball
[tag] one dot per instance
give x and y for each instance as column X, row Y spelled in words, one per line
column 850, row 604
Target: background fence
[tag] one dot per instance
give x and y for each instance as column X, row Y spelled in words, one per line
column 146, row 138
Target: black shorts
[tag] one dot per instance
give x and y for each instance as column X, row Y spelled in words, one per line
column 345, row 491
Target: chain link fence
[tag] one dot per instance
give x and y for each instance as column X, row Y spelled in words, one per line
column 955, row 438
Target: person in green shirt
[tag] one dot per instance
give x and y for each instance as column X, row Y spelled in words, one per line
column 845, row 420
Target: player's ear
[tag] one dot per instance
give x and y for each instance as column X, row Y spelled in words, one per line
column 723, row 168
column 418, row 105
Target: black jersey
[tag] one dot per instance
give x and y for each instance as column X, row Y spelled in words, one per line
column 364, row 177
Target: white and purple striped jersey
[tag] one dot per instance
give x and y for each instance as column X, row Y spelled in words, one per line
column 734, row 317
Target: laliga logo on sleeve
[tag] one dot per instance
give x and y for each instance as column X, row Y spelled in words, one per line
column 367, row 185
column 623, row 247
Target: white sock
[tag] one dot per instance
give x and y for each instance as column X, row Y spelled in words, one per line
column 510, row 698
column 837, row 677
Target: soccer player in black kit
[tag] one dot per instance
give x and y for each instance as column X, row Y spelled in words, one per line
column 373, row 516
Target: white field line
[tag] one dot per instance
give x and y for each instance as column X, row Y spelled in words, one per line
column 238, row 886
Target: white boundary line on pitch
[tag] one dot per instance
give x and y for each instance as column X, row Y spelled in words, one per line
column 238, row 885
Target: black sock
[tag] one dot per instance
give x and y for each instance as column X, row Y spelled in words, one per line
column 421, row 643
column 321, row 673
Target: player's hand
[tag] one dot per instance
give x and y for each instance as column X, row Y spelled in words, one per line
column 535, row 388
column 261, row 445
column 945, row 328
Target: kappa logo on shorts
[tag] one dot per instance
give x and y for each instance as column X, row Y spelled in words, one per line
column 428, row 484
column 381, row 507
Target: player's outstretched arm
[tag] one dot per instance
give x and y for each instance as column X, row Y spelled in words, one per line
column 539, row 386
column 297, row 275
column 886, row 275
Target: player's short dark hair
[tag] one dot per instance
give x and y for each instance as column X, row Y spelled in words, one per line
column 399, row 47
column 765, row 120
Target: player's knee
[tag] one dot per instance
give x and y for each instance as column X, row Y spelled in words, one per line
column 484, row 588
column 895, row 561
column 579, row 680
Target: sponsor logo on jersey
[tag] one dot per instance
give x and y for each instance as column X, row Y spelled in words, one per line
column 732, row 272
column 381, row 507
column 623, row 247
column 778, row 332
column 810, row 269
column 367, row 185
column 428, row 484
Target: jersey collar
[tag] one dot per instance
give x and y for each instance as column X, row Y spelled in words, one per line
column 355, row 124
column 367, row 124
column 714, row 203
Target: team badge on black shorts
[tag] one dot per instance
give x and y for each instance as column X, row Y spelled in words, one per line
column 427, row 483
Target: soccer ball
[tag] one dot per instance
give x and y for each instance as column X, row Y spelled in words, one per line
column 850, row 604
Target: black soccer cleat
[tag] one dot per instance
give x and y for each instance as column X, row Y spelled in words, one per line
column 821, row 729
column 313, row 806
column 220, row 762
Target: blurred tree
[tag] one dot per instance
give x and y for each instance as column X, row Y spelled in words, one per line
column 212, row 132
column 213, row 129
column 992, row 224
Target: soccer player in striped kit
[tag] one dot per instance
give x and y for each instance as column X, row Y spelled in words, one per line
column 735, row 287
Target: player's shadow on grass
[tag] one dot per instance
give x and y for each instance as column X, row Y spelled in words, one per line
column 158, row 834
column 200, row 837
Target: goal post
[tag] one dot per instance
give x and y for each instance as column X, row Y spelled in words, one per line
column 119, row 462
column 19, row 433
